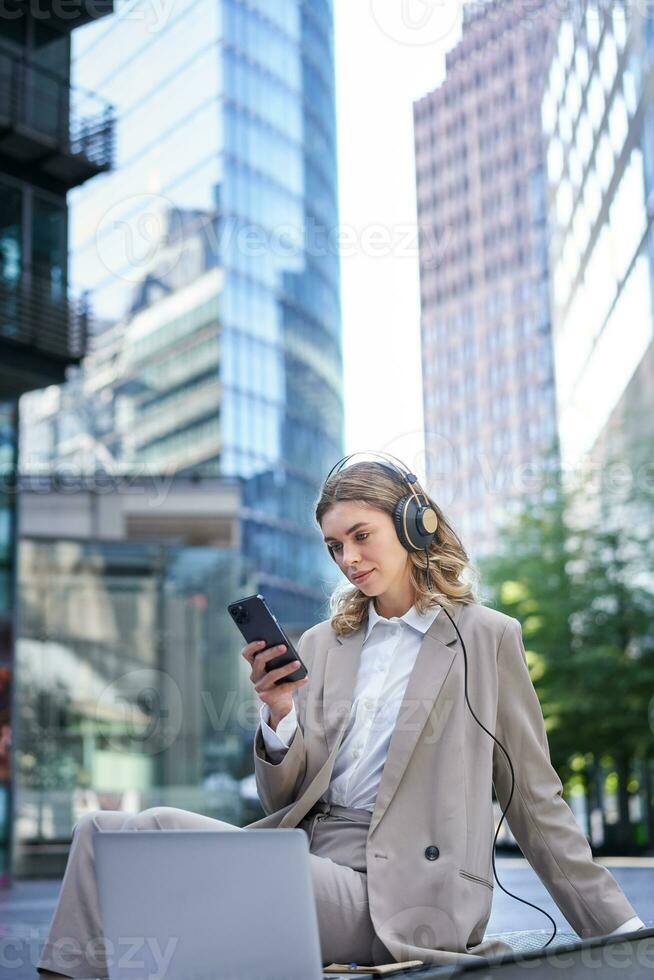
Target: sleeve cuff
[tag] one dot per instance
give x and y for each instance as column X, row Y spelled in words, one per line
column 629, row 926
column 279, row 740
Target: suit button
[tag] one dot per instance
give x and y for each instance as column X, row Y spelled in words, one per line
column 431, row 853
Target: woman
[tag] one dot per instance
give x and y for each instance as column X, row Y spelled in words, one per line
column 377, row 758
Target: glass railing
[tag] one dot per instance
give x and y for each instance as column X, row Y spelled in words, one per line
column 33, row 315
column 39, row 101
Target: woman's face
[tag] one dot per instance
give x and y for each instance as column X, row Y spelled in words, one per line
column 364, row 539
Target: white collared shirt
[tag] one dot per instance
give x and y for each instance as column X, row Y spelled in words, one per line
column 389, row 651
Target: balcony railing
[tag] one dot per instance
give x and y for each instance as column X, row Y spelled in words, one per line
column 65, row 132
column 32, row 316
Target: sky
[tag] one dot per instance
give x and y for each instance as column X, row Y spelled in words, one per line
column 388, row 53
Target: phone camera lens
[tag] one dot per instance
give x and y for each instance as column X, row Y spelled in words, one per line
column 240, row 615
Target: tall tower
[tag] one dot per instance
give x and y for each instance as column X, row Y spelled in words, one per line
column 204, row 255
column 489, row 403
column 599, row 129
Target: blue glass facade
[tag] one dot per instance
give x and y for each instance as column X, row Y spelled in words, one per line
column 227, row 124
column 8, row 451
column 281, row 327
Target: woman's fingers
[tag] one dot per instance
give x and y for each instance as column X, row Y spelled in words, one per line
column 261, row 659
column 268, row 681
column 252, row 650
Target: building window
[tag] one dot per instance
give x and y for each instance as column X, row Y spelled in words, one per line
column 581, row 64
column 566, row 43
column 593, row 23
column 630, row 94
column 595, row 103
column 49, row 250
column 604, row 161
column 618, row 123
column 584, row 140
column 10, row 232
column 608, row 62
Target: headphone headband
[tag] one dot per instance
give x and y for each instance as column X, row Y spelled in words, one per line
column 415, row 522
column 407, row 476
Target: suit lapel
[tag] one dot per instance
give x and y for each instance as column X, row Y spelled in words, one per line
column 341, row 669
column 437, row 651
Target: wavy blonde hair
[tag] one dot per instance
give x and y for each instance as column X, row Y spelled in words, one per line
column 371, row 483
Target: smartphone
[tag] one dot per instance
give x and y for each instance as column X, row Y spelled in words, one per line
column 256, row 621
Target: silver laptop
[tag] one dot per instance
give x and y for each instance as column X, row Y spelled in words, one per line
column 207, row 905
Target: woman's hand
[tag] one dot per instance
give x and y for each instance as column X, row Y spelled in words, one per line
column 278, row 697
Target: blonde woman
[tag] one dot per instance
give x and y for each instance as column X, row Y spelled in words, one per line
column 377, row 757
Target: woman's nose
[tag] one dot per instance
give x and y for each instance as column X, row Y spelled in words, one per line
column 350, row 556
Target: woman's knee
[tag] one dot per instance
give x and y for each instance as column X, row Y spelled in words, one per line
column 154, row 818
column 175, row 818
column 94, row 820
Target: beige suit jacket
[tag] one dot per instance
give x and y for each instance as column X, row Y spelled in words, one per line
column 435, row 790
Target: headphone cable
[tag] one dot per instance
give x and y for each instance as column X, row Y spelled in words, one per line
column 508, row 759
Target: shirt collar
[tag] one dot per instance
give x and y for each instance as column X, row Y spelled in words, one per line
column 418, row 621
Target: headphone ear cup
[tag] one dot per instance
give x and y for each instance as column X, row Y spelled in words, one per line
column 428, row 521
column 409, row 514
column 398, row 520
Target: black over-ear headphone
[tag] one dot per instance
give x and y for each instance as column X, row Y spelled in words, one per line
column 416, row 524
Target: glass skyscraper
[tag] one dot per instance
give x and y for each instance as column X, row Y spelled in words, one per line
column 206, row 254
column 598, row 121
column 489, row 389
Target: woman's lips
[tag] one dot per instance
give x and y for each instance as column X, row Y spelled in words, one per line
column 362, row 578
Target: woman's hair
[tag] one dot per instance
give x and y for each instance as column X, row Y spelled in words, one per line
column 373, row 484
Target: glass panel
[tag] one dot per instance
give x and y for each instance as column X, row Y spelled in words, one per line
column 10, row 232
column 604, row 161
column 132, row 690
column 555, row 160
column 49, row 258
column 566, row 43
column 8, row 452
column 584, row 139
column 608, row 62
column 595, row 103
column 51, row 49
column 593, row 23
column 13, row 29
column 618, row 123
column 557, row 80
column 581, row 62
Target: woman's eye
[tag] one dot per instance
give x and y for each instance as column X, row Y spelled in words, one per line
column 361, row 534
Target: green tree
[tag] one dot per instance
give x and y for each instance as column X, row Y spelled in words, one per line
column 574, row 568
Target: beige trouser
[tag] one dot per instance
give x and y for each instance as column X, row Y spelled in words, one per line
column 337, row 842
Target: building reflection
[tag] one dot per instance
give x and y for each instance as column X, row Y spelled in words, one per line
column 131, row 689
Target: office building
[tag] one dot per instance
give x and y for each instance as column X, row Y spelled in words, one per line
column 215, row 360
column 598, row 121
column 488, row 384
column 53, row 137
column 204, row 253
